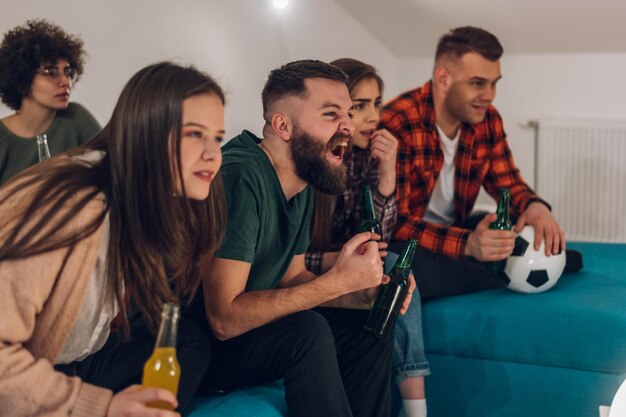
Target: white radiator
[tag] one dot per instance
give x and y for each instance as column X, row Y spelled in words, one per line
column 581, row 171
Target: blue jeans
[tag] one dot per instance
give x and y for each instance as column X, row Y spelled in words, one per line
column 409, row 358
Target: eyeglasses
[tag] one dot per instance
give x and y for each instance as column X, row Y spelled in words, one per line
column 54, row 73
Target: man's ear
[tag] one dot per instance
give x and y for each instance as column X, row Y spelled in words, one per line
column 442, row 77
column 282, row 124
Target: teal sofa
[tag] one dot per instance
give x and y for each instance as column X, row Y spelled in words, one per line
column 498, row 353
column 560, row 353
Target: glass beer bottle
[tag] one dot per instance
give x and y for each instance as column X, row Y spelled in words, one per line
column 369, row 222
column 42, row 147
column 502, row 222
column 162, row 369
column 391, row 296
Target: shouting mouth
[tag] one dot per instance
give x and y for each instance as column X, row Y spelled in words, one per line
column 339, row 150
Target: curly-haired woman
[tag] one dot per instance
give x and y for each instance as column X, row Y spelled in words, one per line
column 39, row 65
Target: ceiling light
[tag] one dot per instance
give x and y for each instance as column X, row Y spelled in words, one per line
column 280, row 4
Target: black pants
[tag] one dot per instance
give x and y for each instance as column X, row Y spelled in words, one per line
column 120, row 364
column 330, row 365
column 438, row 275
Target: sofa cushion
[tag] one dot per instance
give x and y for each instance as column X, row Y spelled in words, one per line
column 262, row 401
column 579, row 324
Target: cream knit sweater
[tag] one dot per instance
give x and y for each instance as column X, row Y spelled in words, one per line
column 40, row 298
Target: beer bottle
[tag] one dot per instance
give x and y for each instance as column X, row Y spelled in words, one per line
column 391, row 296
column 42, row 147
column 369, row 222
column 162, row 369
column 503, row 222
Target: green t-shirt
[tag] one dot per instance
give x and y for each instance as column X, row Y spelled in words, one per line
column 263, row 227
column 71, row 127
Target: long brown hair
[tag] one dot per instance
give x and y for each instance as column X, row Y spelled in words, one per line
column 322, row 221
column 157, row 241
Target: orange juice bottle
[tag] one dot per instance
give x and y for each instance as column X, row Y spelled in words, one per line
column 162, row 369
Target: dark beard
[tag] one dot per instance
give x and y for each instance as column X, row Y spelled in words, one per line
column 309, row 157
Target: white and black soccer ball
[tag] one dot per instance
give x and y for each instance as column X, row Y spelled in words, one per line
column 531, row 271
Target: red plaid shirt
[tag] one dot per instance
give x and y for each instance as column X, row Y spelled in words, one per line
column 483, row 158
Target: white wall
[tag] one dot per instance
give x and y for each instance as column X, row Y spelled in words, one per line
column 237, row 41
column 569, row 86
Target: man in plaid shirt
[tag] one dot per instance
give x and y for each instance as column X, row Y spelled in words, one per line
column 452, row 142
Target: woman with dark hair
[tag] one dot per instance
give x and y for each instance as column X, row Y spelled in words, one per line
column 371, row 162
column 125, row 220
column 39, row 65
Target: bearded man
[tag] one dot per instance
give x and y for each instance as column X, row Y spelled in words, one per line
column 266, row 316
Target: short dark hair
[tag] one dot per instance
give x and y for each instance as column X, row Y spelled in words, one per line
column 288, row 80
column 25, row 48
column 463, row 40
column 358, row 71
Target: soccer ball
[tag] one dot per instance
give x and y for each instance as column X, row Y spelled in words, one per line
column 528, row 270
